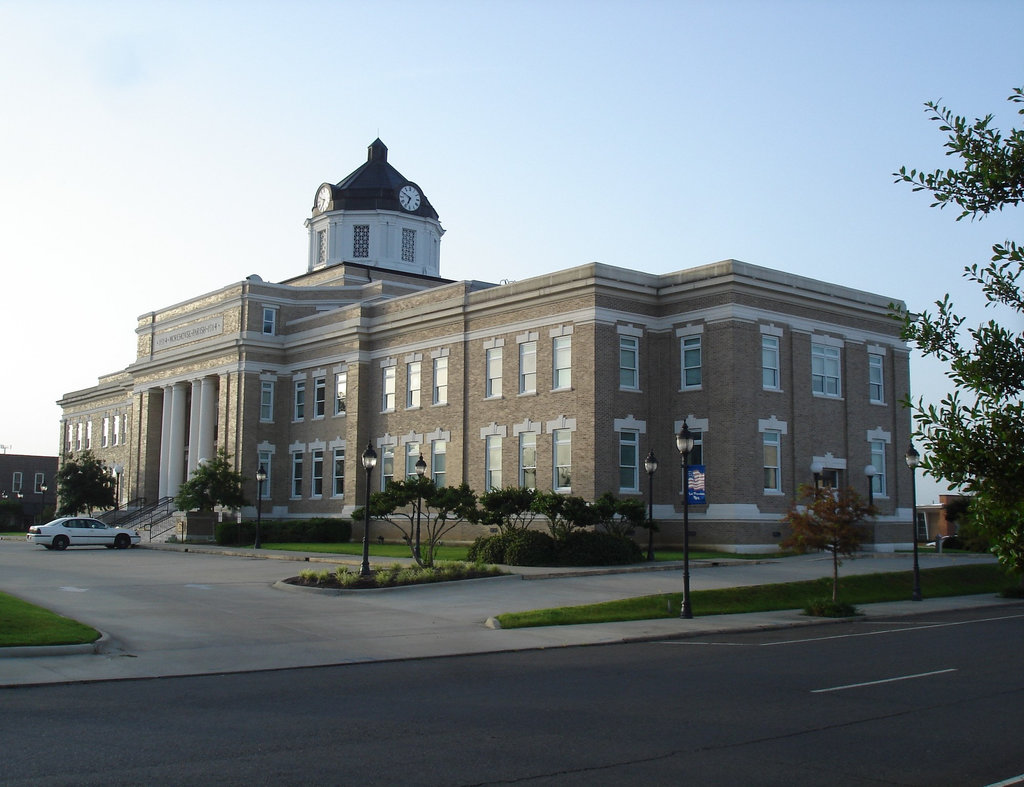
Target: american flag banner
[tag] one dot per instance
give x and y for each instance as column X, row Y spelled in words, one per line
column 697, row 495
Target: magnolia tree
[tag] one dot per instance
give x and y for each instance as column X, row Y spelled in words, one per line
column 83, row 483
column 213, row 483
column 822, row 518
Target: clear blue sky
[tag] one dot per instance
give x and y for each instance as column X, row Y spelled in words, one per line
column 153, row 151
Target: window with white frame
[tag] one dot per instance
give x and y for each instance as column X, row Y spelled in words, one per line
column 561, row 440
column 361, row 240
column 37, row 484
column 297, row 474
column 629, row 362
column 441, row 380
column 300, row 401
column 439, row 462
column 825, row 379
column 79, row 436
column 561, row 350
column 412, row 384
column 528, row 460
column 387, row 465
column 340, row 392
column 71, row 437
column 16, row 482
column 88, row 435
column 105, row 432
column 339, row 472
column 317, row 474
column 263, row 460
column 387, row 388
column 319, row 397
column 267, row 401
column 770, row 370
column 690, row 349
column 492, row 463
column 772, row 452
column 527, row 367
column 629, row 460
column 117, row 430
column 493, row 372
column 695, row 457
column 878, row 486
column 269, row 320
column 876, row 378
column 412, row 456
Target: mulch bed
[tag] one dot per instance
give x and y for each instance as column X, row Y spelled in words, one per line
column 369, row 583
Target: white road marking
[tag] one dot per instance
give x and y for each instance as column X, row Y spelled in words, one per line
column 75, row 590
column 883, row 680
column 1007, row 782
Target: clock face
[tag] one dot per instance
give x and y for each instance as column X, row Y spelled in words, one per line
column 409, row 197
column 323, row 198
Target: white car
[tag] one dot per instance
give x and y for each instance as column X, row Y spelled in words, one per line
column 77, row 531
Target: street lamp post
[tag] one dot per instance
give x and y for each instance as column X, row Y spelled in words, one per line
column 817, row 468
column 913, row 460
column 650, row 465
column 261, row 476
column 369, row 462
column 421, row 468
column 684, row 442
column 118, row 469
column 870, row 472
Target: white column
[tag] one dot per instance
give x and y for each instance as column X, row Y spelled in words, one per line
column 165, row 441
column 207, row 417
column 176, row 457
column 193, row 429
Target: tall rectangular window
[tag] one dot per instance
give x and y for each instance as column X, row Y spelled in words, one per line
column 387, row 465
column 88, row 435
column 825, row 370
column 528, row 367
column 16, row 482
column 339, row 472
column 439, row 462
column 878, row 486
column 105, row 432
column 340, row 392
column 561, row 351
column 117, row 430
column 770, row 377
column 388, row 388
column 37, row 484
column 408, row 245
column 412, row 384
column 319, row 397
column 441, row 380
column 300, row 401
column 629, row 362
column 876, row 380
column 412, row 456
column 690, row 349
column 629, row 461
column 492, row 464
column 269, row 320
column 561, row 440
column 79, row 436
column 267, row 401
column 297, row 474
column 361, row 240
column 494, row 372
column 264, row 462
column 528, row 460
column 318, row 472
column 771, row 450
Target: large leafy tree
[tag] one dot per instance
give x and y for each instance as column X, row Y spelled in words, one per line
column 828, row 519
column 214, row 483
column 406, row 503
column 83, row 484
column 974, row 437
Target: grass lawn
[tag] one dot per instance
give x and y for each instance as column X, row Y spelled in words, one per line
column 862, row 589
column 22, row 623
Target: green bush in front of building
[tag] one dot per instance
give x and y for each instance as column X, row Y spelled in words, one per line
column 286, row 531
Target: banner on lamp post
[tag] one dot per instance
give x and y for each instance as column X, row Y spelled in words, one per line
column 695, row 485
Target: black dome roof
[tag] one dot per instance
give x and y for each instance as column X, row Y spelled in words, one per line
column 375, row 185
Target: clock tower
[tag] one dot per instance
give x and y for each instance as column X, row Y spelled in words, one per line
column 375, row 216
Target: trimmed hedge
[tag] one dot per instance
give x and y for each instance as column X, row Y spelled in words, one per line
column 535, row 548
column 287, row 531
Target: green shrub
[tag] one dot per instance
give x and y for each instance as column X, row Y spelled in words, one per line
column 290, row 531
column 529, row 548
column 827, row 608
column 487, row 549
column 586, row 548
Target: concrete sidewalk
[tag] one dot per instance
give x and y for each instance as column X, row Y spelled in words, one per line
column 195, row 610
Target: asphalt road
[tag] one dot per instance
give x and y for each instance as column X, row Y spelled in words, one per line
column 933, row 700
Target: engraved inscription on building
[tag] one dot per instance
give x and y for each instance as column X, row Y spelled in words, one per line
column 188, row 333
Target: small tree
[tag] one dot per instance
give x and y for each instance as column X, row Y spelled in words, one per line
column 507, row 509
column 213, row 483
column 442, row 509
column 564, row 513
column 619, row 516
column 829, row 520
column 83, row 483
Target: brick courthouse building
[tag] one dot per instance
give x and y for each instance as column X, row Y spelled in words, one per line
column 563, row 381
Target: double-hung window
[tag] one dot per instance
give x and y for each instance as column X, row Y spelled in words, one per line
column 527, row 367
column 339, row 472
column 770, row 370
column 878, row 486
column 387, row 403
column 439, row 462
column 876, row 378
column 267, row 401
column 561, row 348
column 629, row 465
column 772, row 453
column 318, row 472
column 494, row 372
column 269, row 320
column 492, row 464
column 265, row 463
column 387, row 465
column 300, row 400
column 629, row 362
column 319, row 397
column 692, row 356
column 528, row 460
column 412, row 385
column 340, row 392
column 412, row 456
column 562, row 448
column 825, row 379
column 297, row 474
column 441, row 380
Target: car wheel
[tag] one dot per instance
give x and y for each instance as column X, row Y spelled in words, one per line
column 122, row 541
column 61, row 542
